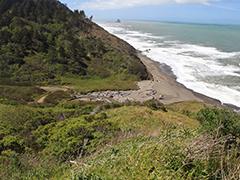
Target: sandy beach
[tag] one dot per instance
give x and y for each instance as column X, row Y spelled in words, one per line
column 166, row 86
column 163, row 87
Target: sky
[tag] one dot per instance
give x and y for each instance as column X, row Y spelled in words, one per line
column 195, row 11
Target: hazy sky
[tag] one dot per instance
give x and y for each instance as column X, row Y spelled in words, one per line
column 203, row 11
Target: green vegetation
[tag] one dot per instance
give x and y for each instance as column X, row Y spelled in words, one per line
column 43, row 43
column 43, row 40
column 19, row 94
column 55, row 97
column 175, row 152
column 188, row 108
column 23, row 153
column 117, row 82
column 138, row 158
column 117, row 141
column 220, row 121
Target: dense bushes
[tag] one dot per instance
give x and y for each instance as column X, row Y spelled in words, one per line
column 155, row 105
column 32, row 137
column 19, row 147
column 220, row 122
column 219, row 148
column 53, row 128
column 18, row 122
column 74, row 137
column 29, row 166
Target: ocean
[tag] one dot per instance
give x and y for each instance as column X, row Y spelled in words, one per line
column 204, row 58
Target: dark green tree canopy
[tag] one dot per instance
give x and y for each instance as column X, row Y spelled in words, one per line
column 43, row 39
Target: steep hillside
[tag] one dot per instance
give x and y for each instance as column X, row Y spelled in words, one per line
column 42, row 40
column 47, row 52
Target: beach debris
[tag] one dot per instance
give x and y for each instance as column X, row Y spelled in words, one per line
column 161, row 97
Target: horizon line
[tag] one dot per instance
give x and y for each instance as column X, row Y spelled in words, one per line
column 169, row 21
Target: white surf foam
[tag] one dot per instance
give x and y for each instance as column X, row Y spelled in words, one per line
column 190, row 63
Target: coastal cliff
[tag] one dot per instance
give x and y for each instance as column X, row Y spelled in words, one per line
column 54, row 66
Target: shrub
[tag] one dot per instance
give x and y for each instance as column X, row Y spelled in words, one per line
column 12, row 143
column 155, row 105
column 221, row 120
column 74, row 137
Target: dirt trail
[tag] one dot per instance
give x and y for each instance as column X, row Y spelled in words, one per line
column 49, row 90
column 55, row 88
column 42, row 99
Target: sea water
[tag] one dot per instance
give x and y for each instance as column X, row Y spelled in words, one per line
column 205, row 58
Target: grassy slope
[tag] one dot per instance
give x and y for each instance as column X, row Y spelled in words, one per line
column 21, row 94
column 112, row 126
column 116, row 82
column 29, row 94
column 163, row 147
column 135, row 158
column 146, row 141
column 124, row 142
column 147, row 121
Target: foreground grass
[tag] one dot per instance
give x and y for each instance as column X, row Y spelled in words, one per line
column 145, row 153
column 188, row 108
column 117, row 82
column 57, row 133
column 175, row 151
column 138, row 158
column 117, row 141
column 147, row 121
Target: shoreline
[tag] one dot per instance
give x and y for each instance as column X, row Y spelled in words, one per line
column 166, row 71
column 163, row 75
column 162, row 86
